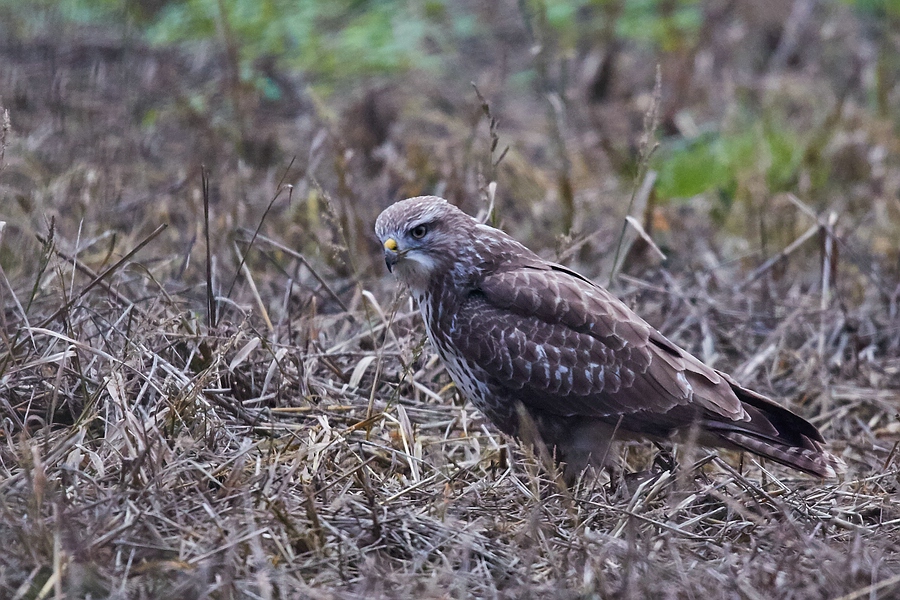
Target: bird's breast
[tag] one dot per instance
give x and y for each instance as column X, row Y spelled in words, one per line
column 469, row 377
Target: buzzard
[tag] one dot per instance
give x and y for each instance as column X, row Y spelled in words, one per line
column 523, row 336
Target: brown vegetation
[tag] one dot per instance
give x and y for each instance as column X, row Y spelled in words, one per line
column 295, row 437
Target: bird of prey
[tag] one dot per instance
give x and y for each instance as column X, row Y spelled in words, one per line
column 535, row 345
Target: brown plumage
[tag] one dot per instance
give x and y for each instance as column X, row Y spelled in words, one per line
column 513, row 328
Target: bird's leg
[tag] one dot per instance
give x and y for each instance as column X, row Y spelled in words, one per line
column 530, row 436
column 664, row 460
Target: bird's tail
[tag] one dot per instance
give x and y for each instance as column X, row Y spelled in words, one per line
column 778, row 434
column 810, row 457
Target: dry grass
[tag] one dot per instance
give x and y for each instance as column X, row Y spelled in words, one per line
column 308, row 444
column 145, row 455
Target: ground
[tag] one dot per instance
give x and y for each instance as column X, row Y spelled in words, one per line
column 244, row 404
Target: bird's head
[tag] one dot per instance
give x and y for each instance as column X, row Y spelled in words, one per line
column 423, row 239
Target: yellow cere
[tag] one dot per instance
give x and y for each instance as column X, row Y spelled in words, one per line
column 391, row 244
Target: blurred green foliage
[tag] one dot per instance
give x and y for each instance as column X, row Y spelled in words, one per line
column 31, row 17
column 663, row 24
column 876, row 8
column 718, row 162
column 766, row 146
column 667, row 24
column 342, row 40
column 337, row 38
column 335, row 42
column 329, row 40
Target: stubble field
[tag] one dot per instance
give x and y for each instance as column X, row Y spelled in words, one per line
column 217, row 391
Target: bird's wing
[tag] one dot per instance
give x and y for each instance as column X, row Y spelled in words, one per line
column 567, row 346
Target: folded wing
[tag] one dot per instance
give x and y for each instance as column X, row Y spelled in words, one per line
column 566, row 346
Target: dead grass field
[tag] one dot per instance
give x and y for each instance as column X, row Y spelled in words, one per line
column 308, row 444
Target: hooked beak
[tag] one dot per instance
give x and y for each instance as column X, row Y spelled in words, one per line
column 391, row 255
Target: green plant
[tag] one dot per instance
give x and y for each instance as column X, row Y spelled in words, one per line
column 718, row 162
column 342, row 39
column 665, row 24
column 329, row 40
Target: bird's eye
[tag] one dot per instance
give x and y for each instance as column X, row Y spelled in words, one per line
column 419, row 231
